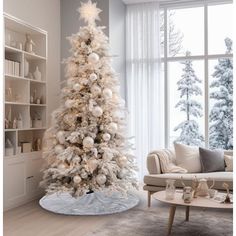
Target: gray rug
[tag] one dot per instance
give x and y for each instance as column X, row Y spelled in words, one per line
column 141, row 221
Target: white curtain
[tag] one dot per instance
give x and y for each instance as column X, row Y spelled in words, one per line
column 145, row 88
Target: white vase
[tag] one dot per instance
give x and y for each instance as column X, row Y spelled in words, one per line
column 37, row 74
column 26, row 68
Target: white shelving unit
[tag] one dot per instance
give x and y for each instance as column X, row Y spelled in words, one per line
column 26, row 100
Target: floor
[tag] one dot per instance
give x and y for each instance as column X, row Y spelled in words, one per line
column 32, row 220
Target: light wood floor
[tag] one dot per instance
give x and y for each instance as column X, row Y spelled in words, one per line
column 32, row 220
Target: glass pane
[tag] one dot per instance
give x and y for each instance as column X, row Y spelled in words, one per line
column 162, row 32
column 220, row 27
column 186, row 102
column 185, row 31
column 221, row 103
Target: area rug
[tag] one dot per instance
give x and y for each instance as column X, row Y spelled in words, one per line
column 143, row 221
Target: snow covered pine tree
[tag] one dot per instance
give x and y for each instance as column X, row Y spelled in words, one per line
column 188, row 88
column 86, row 148
column 221, row 115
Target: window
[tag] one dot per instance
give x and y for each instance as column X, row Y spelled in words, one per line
column 197, row 62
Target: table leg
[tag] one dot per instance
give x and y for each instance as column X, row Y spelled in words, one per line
column 171, row 218
column 187, row 213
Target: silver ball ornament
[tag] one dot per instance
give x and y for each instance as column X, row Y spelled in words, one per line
column 77, row 179
column 59, row 149
column 88, row 142
column 76, row 87
column 122, row 173
column 107, row 156
column 84, row 175
column 101, row 179
column 61, row 166
column 106, row 137
column 122, row 161
column 93, row 58
column 112, row 128
column 93, row 77
column 97, row 111
column 107, row 93
column 69, row 103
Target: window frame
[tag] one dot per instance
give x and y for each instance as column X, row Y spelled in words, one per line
column 205, row 57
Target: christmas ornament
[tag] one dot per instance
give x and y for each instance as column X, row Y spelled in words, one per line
column 76, row 160
column 95, row 89
column 93, row 77
column 69, row 103
column 122, row 161
column 69, row 119
column 59, row 148
column 101, row 179
column 97, row 111
column 77, row 87
column 62, row 166
column 93, row 58
column 84, row 174
column 107, row 156
column 92, row 165
column 112, row 128
column 122, row 173
column 88, row 142
column 107, row 93
column 106, row 137
column 61, row 137
column 77, row 179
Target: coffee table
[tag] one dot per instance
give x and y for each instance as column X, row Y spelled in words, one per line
column 196, row 202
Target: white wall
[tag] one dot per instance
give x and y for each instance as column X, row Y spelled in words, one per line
column 44, row 14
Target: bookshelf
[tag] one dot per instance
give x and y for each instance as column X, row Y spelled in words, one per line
column 25, row 82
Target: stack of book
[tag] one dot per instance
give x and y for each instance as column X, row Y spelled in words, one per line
column 12, row 67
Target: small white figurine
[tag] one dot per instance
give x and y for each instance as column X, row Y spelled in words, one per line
column 29, row 44
column 14, row 124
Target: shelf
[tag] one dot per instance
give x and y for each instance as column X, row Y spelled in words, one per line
column 17, row 103
column 12, row 49
column 38, row 105
column 36, row 81
column 23, row 155
column 26, row 129
column 13, row 77
column 31, row 56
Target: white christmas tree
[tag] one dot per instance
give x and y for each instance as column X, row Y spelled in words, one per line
column 221, row 115
column 86, row 148
column 188, row 87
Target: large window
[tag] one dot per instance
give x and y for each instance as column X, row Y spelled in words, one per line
column 196, row 51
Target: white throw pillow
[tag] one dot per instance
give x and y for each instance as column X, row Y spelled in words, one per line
column 188, row 157
column 229, row 163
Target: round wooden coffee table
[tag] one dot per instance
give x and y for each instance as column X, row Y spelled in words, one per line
column 196, row 202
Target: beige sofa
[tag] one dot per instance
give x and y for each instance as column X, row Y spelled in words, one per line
column 156, row 181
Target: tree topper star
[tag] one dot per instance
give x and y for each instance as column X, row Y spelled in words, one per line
column 89, row 12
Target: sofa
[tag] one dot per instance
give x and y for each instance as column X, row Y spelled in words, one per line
column 155, row 180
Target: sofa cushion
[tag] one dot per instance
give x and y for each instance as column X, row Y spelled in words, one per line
column 211, row 160
column 187, row 157
column 159, row 180
column 228, row 163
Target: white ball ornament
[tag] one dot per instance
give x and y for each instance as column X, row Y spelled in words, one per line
column 76, row 87
column 101, row 179
column 107, row 93
column 76, row 159
column 84, row 175
column 112, row 128
column 93, row 77
column 59, row 149
column 69, row 103
column 61, row 166
column 106, row 137
column 122, row 161
column 97, row 111
column 93, row 58
column 61, row 137
column 121, row 174
column 92, row 165
column 107, row 156
column 88, row 142
column 95, row 89
column 77, row 179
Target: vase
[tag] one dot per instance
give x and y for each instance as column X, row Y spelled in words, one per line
column 26, row 68
column 202, row 189
column 37, row 74
column 170, row 189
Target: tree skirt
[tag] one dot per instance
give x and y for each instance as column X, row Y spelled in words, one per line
column 97, row 203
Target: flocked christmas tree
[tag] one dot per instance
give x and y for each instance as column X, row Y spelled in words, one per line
column 189, row 89
column 86, row 148
column 221, row 115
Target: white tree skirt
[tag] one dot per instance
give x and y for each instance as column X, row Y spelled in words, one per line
column 97, row 203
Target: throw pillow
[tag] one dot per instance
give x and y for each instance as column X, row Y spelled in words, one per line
column 211, row 160
column 187, row 157
column 228, row 163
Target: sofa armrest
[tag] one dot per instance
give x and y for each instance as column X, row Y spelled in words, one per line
column 153, row 164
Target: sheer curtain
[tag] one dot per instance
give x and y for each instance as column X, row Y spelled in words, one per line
column 145, row 88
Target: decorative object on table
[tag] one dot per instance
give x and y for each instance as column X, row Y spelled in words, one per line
column 14, row 124
column 31, row 99
column 20, row 122
column 228, row 163
column 90, row 185
column 9, row 95
column 26, row 147
column 26, row 68
column 29, row 43
column 38, row 101
column 170, row 189
column 202, row 189
column 7, row 124
column 212, row 192
column 37, row 120
column 227, row 197
column 195, row 184
column 9, row 148
column 187, row 192
column 37, row 74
